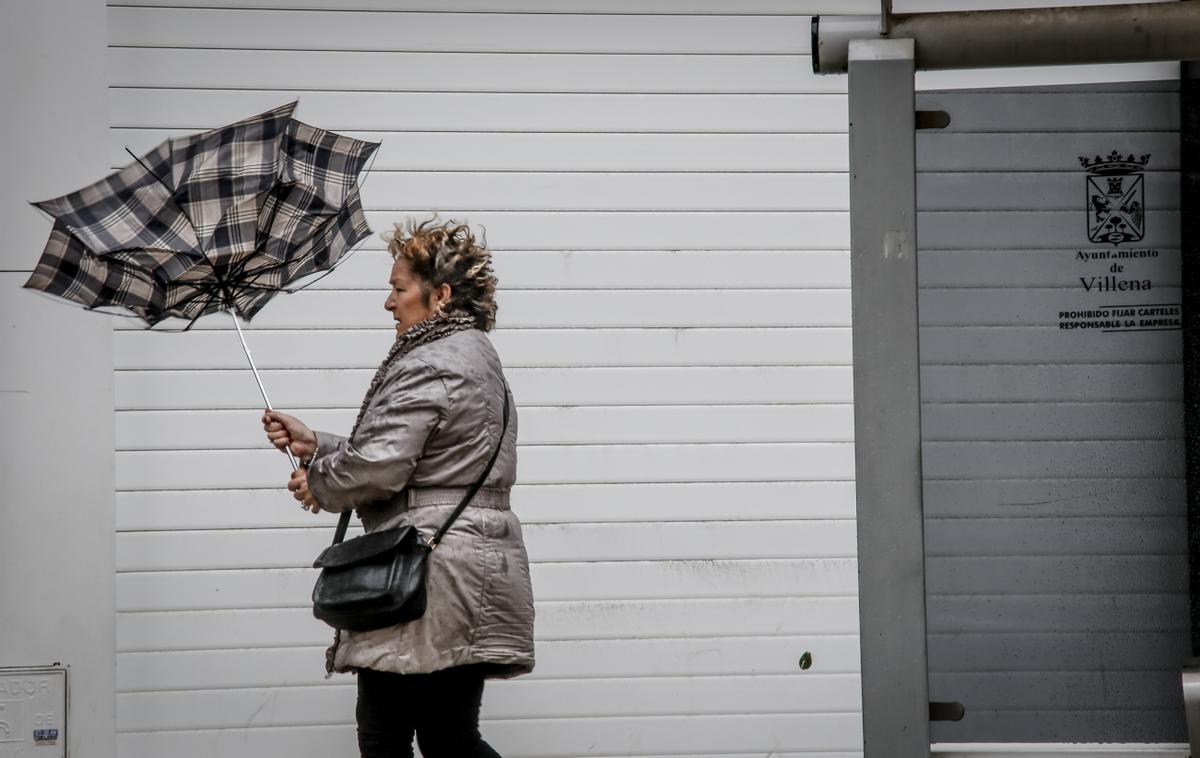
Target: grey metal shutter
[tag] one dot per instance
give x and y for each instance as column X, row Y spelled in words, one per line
column 1052, row 417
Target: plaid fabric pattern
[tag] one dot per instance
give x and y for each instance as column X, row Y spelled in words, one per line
column 69, row 270
column 252, row 280
column 318, row 173
column 220, row 220
column 128, row 209
column 214, row 171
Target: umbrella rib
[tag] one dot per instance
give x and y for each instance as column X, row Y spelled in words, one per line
column 324, row 273
column 170, row 190
column 238, row 270
column 204, row 308
column 199, row 292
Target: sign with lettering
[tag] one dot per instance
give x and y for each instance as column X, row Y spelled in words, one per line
column 1116, row 281
column 33, row 712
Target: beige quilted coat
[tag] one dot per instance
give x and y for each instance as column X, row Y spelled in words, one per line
column 426, row 437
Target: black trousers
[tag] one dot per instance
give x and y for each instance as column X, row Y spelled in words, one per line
column 442, row 708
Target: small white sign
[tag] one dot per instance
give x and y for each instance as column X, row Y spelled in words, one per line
column 33, row 712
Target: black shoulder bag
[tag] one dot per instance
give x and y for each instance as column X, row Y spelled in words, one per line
column 378, row 580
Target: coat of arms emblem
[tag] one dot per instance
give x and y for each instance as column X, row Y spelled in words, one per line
column 1116, row 197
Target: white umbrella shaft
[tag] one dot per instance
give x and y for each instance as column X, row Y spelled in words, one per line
column 258, row 379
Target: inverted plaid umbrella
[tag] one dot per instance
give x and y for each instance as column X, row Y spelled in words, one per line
column 173, row 199
column 217, row 221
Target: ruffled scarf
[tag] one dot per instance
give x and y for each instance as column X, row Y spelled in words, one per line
column 421, row 333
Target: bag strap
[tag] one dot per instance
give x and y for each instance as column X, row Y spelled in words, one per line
column 441, row 532
column 435, row 540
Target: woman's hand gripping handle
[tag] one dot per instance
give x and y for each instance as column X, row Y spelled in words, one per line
column 290, row 433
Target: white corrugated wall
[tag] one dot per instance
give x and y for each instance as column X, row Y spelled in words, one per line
column 664, row 188
column 663, row 184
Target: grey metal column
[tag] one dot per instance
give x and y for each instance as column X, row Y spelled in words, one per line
column 1189, row 176
column 887, row 399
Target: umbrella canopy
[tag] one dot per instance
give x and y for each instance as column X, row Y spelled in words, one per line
column 217, row 221
column 220, row 220
column 244, row 280
column 68, row 270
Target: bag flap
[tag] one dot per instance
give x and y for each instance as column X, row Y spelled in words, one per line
column 364, row 548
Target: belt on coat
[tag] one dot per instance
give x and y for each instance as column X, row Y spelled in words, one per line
column 484, row 498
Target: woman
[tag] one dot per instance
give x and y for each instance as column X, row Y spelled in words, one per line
column 426, row 430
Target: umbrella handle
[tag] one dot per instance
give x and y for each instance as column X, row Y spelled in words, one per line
column 257, row 378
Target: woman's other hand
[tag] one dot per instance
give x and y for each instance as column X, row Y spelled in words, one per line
column 299, row 488
column 284, row 431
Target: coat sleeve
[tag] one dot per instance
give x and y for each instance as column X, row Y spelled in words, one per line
column 379, row 459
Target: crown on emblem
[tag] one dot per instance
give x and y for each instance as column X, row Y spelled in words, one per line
column 1115, row 163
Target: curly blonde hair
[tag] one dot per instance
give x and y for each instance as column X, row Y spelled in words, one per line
column 440, row 253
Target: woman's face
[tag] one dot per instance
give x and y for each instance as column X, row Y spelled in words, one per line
column 406, row 302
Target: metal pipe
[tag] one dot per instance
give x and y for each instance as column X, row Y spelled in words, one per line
column 1022, row 37
column 1189, row 190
